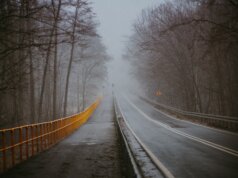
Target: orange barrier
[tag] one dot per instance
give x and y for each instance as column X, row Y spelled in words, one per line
column 20, row 143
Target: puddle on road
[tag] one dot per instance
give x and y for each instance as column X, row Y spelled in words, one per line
column 92, row 143
column 84, row 143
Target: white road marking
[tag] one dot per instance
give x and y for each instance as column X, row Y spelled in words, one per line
column 135, row 166
column 157, row 162
column 197, row 124
column 205, row 142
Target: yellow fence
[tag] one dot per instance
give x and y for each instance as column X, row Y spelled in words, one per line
column 20, row 143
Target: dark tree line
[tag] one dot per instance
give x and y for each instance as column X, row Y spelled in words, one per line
column 41, row 46
column 188, row 50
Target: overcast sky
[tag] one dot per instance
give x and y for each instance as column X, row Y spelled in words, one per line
column 116, row 18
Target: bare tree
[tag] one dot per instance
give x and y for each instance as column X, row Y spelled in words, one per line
column 40, row 44
column 187, row 43
column 79, row 27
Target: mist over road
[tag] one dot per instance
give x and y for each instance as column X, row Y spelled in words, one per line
column 186, row 149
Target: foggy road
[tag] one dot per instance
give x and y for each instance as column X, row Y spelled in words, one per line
column 91, row 151
column 185, row 149
column 60, row 60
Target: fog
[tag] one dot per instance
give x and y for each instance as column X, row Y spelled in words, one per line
column 116, row 24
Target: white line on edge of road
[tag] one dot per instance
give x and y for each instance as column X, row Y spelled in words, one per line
column 197, row 124
column 135, row 167
column 157, row 162
column 205, row 142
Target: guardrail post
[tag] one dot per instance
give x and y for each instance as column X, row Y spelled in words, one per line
column 41, row 139
column 4, row 151
column 54, row 131
column 45, row 136
column 61, row 129
column 27, row 136
column 48, row 132
column 57, row 132
column 12, row 147
column 64, row 128
column 32, row 140
column 37, row 138
column 20, row 141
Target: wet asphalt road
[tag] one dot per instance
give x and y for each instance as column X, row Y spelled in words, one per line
column 172, row 144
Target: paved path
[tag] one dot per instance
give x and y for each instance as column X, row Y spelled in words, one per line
column 92, row 151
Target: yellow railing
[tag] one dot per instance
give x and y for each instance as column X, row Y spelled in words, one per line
column 19, row 143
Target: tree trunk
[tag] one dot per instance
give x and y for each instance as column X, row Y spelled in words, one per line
column 70, row 60
column 55, row 63
column 53, row 30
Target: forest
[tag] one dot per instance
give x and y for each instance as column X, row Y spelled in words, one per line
column 188, row 51
column 52, row 60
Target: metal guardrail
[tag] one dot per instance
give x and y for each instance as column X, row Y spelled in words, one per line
column 225, row 122
column 149, row 165
column 196, row 113
column 132, row 165
column 19, row 143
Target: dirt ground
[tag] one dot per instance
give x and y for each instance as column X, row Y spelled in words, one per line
column 92, row 151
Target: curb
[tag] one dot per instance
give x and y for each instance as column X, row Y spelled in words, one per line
column 145, row 165
column 128, row 158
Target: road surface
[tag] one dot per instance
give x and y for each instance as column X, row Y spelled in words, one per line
column 187, row 150
column 91, row 151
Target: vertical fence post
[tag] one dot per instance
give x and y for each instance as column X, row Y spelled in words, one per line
column 57, row 132
column 67, row 127
column 45, row 136
column 53, row 130
column 48, row 136
column 51, row 133
column 20, row 141
column 41, row 139
column 32, row 140
column 37, row 139
column 61, row 130
column 27, row 136
column 59, row 127
column 12, row 147
column 4, row 151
